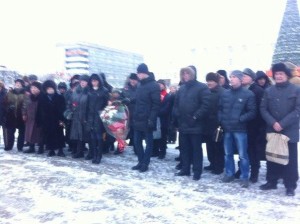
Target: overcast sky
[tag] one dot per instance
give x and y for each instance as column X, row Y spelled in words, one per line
column 158, row 29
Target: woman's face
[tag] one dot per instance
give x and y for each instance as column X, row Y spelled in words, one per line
column 34, row 90
column 261, row 82
column 50, row 90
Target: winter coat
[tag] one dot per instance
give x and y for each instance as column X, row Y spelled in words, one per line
column 129, row 92
column 32, row 129
column 49, row 117
column 3, row 93
column 281, row 103
column 237, row 107
column 12, row 105
column 79, row 106
column 191, row 107
column 97, row 100
column 147, row 105
column 212, row 121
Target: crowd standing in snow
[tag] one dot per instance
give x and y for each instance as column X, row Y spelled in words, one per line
column 232, row 116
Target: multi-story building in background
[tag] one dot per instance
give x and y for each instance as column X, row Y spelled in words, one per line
column 87, row 58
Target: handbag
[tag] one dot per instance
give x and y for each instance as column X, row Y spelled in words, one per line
column 219, row 133
column 277, row 150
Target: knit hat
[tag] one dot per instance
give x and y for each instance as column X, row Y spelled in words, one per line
column 133, row 76
column 20, row 81
column 249, row 72
column 161, row 81
column 49, row 84
column 281, row 67
column 37, row 85
column 213, row 77
column 62, row 85
column 142, row 68
column 84, row 78
column 237, row 73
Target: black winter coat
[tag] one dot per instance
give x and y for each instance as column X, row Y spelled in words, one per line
column 3, row 93
column 281, row 103
column 78, row 105
column 97, row 100
column 165, row 111
column 212, row 121
column 191, row 107
column 147, row 105
column 49, row 116
column 237, row 108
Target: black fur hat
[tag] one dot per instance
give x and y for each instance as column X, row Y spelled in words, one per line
column 49, row 84
column 281, row 67
column 20, row 81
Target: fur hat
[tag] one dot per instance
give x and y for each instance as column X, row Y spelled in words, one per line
column 281, row 67
column 249, row 72
column 238, row 74
column 133, row 76
column 62, row 85
column 37, row 85
column 49, row 84
column 213, row 77
column 84, row 78
column 20, row 81
column 189, row 71
column 142, row 68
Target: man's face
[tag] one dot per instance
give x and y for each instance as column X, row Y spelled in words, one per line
column 235, row 81
column 34, row 90
column 141, row 76
column 261, row 81
column 186, row 77
column 83, row 83
column 211, row 84
column 50, row 90
column 247, row 80
column 280, row 77
column 62, row 90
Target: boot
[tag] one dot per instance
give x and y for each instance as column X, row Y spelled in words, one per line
column 40, row 150
column 254, row 176
column 51, row 153
column 79, row 150
column 61, row 153
column 30, row 150
column 97, row 156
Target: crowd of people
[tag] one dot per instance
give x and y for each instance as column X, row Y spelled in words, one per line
column 231, row 116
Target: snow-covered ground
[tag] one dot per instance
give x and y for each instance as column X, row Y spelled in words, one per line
column 37, row 189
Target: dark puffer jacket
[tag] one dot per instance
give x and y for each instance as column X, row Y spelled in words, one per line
column 191, row 107
column 147, row 105
column 129, row 92
column 281, row 103
column 97, row 100
column 237, row 107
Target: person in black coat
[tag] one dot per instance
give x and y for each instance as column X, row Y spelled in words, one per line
column 77, row 107
column 224, row 81
column 280, row 108
column 145, row 116
column 237, row 108
column 256, row 128
column 97, row 99
column 160, row 145
column 191, row 109
column 262, row 80
column 51, row 107
column 129, row 92
column 215, row 149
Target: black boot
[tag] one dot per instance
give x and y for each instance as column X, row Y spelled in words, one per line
column 51, row 153
column 30, row 150
column 254, row 176
column 79, row 150
column 61, row 153
column 40, row 150
column 97, row 156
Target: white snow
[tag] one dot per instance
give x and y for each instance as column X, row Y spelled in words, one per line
column 38, row 189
